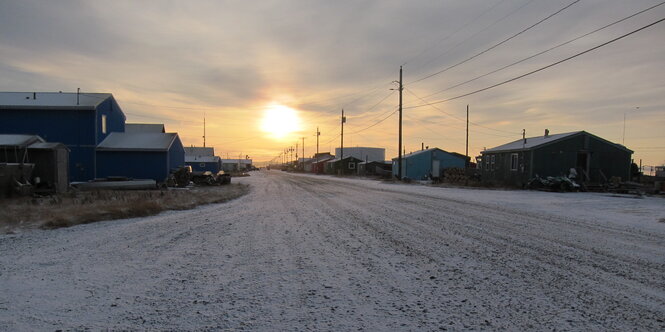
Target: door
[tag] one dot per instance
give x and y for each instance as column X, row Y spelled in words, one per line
column 583, row 164
column 436, row 165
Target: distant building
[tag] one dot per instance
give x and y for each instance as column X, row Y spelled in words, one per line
column 345, row 166
column 319, row 163
column 202, row 159
column 199, row 151
column 236, row 165
column 140, row 155
column 428, row 163
column 363, row 153
column 134, row 128
column 78, row 120
column 594, row 159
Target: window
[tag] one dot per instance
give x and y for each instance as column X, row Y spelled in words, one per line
column 487, row 162
column 493, row 162
column 352, row 165
column 103, row 124
column 202, row 165
column 513, row 161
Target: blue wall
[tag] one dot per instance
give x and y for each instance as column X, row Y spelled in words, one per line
column 419, row 165
column 133, row 164
column 213, row 167
column 176, row 158
column 79, row 129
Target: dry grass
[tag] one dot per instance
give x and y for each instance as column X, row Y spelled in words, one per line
column 86, row 207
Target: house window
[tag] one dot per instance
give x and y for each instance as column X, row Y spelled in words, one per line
column 493, row 161
column 487, row 162
column 352, row 165
column 513, row 161
column 103, row 124
column 202, row 165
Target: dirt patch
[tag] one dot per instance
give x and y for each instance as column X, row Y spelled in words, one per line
column 85, row 207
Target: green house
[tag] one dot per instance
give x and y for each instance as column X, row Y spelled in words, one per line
column 594, row 159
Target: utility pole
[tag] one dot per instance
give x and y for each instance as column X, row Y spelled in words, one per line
column 467, row 135
column 303, row 153
column 318, row 133
column 341, row 150
column 399, row 148
column 204, row 130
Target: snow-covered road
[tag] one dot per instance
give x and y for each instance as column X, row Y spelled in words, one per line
column 320, row 253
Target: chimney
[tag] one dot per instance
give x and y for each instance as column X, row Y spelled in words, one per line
column 34, row 95
column 422, row 145
column 547, row 133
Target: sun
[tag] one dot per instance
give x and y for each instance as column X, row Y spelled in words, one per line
column 279, row 121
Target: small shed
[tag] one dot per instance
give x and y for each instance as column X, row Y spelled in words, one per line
column 374, row 168
column 140, row 155
column 345, row 166
column 594, row 159
column 14, row 148
column 51, row 166
column 428, row 163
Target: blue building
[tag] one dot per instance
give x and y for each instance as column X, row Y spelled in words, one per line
column 428, row 163
column 202, row 159
column 78, row 120
column 140, row 155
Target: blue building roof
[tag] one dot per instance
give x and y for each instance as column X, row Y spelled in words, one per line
column 137, row 142
column 52, row 100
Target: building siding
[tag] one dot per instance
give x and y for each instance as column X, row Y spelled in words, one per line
column 557, row 158
column 133, row 164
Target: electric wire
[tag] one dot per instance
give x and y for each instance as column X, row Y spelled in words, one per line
column 464, row 120
column 547, row 50
column 495, row 45
column 478, row 32
column 468, row 23
column 539, row 69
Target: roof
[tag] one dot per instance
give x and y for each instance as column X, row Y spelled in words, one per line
column 337, row 159
column 201, row 159
column 137, row 141
column 323, row 160
column 431, row 150
column 144, row 128
column 375, row 162
column 52, row 100
column 533, row 142
column 19, row 140
column 199, row 151
column 46, row 146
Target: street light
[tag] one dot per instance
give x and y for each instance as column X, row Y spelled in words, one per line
column 623, row 138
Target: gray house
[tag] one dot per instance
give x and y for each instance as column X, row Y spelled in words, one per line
column 594, row 159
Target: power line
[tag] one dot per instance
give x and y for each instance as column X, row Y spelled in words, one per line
column 496, row 45
column 455, row 32
column 463, row 120
column 541, row 68
column 545, row 51
column 479, row 32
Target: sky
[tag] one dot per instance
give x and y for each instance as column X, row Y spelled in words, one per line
column 242, row 64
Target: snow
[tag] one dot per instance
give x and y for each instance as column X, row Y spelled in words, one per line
column 305, row 252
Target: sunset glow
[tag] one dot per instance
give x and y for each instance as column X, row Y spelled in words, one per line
column 279, row 121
